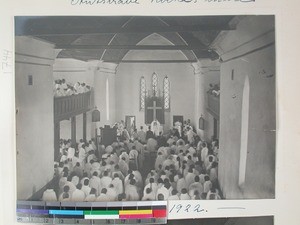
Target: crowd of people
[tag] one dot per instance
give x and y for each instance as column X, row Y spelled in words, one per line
column 182, row 167
column 62, row 88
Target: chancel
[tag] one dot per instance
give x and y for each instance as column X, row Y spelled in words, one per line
column 145, row 108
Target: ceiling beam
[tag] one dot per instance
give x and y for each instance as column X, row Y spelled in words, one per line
column 47, row 30
column 151, row 61
column 131, row 47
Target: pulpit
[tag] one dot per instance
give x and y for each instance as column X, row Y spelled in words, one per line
column 108, row 135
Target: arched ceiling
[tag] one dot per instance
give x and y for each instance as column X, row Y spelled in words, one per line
column 110, row 38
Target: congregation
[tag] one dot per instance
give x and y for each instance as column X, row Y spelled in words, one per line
column 140, row 166
column 62, row 88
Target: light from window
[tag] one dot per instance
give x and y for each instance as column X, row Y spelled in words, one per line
column 166, row 90
column 107, row 99
column 142, row 93
column 155, row 85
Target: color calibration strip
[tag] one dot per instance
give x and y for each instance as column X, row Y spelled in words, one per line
column 92, row 212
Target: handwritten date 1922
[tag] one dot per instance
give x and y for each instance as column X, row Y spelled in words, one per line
column 186, row 208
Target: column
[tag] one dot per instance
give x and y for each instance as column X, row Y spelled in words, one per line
column 84, row 126
column 104, row 85
column 73, row 130
column 56, row 140
column 200, row 97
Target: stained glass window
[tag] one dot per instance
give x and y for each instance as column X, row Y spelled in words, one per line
column 155, row 84
column 142, row 93
column 166, row 91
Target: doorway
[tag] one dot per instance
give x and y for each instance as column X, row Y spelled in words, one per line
column 177, row 119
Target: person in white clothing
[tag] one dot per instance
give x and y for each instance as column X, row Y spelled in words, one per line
column 190, row 177
column 204, row 152
column 152, row 185
column 92, row 196
column 207, row 184
column 178, row 127
column 78, row 195
column 49, row 196
column 103, row 196
column 131, row 191
column 174, row 195
column 95, row 183
column 105, row 180
column 118, row 184
column 164, row 190
column 155, row 127
column 149, row 195
column 85, row 187
column 66, row 191
column 111, row 193
column 71, row 153
column 184, row 195
column 190, row 135
column 196, row 186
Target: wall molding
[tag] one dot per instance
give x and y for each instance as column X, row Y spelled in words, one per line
column 248, row 53
column 31, row 63
column 33, row 56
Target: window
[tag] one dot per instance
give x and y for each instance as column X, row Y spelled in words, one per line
column 166, row 91
column 244, row 133
column 107, row 99
column 142, row 93
column 155, row 84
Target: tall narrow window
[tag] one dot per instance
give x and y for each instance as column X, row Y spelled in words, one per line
column 166, row 91
column 142, row 93
column 107, row 99
column 244, row 133
column 155, row 84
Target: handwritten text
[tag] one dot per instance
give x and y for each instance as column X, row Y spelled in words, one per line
column 186, row 208
column 97, row 2
column 6, row 65
column 134, row 2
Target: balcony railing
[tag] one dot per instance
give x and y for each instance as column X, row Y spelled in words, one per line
column 67, row 106
column 213, row 105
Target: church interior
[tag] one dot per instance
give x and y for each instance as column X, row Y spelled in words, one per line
column 84, row 87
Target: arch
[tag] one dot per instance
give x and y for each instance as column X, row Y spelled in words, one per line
column 244, row 132
column 165, row 39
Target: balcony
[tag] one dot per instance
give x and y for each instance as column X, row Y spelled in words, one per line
column 213, row 106
column 68, row 106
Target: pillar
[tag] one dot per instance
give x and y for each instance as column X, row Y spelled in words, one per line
column 73, row 130
column 56, row 140
column 84, row 126
column 105, row 100
column 200, row 97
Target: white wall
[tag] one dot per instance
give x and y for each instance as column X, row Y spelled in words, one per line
column 181, row 76
column 182, row 90
column 259, row 66
column 206, row 72
column 73, row 71
column 34, row 104
column 210, row 77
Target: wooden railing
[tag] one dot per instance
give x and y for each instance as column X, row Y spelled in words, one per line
column 67, row 106
column 213, row 105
